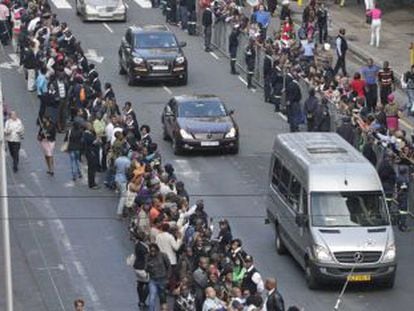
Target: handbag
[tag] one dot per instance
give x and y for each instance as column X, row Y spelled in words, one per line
column 130, row 260
column 142, row 275
column 130, row 197
column 368, row 16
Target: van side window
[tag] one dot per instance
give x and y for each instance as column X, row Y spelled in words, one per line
column 276, row 172
column 294, row 193
column 284, row 182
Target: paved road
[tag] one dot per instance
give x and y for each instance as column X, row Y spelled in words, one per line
column 66, row 240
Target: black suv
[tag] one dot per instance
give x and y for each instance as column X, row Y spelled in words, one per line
column 152, row 53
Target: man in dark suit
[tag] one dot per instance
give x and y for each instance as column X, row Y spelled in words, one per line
column 274, row 300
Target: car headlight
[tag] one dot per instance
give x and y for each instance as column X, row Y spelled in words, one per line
column 322, row 254
column 184, row 134
column 90, row 9
column 390, row 253
column 120, row 8
column 231, row 133
column 180, row 60
column 138, row 60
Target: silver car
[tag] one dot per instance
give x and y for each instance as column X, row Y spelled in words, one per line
column 101, row 10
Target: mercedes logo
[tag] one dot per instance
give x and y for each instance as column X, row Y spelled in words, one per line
column 209, row 135
column 358, row 257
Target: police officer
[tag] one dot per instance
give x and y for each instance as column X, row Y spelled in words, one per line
column 252, row 279
column 250, row 58
column 267, row 74
column 293, row 97
column 277, row 84
column 233, row 45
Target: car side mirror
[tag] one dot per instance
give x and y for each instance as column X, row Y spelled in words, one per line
column 301, row 220
column 231, row 111
column 182, row 44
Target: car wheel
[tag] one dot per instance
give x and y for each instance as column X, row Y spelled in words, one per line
column 131, row 80
column 177, row 149
column 183, row 80
column 311, row 280
column 280, row 247
column 121, row 70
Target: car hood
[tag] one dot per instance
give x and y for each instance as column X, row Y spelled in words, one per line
column 157, row 53
column 206, row 125
column 353, row 239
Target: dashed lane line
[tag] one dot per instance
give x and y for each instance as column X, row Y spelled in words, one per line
column 167, row 89
column 145, row 4
column 107, row 27
column 62, row 4
column 214, row 55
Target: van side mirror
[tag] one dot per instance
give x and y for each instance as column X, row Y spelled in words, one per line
column 231, row 112
column 301, row 220
column 182, row 44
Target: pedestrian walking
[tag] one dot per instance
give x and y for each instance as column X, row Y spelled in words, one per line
column 408, row 82
column 250, row 59
column 30, row 64
column 207, row 22
column 376, row 15
column 73, row 138
column 4, row 24
column 42, row 91
column 122, row 165
column 233, row 46
column 90, row 148
column 310, row 107
column 322, row 17
column 79, row 304
column 159, row 269
column 386, row 82
column 341, row 49
column 140, row 266
column 47, row 139
column 13, row 134
column 274, row 300
column 370, row 75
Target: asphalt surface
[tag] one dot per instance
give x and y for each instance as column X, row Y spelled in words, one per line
column 66, row 240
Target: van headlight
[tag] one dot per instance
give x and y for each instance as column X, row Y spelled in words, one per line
column 180, row 60
column 390, row 253
column 138, row 60
column 91, row 9
column 322, row 254
column 184, row 134
column 231, row 133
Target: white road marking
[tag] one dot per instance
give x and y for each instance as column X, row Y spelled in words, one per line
column 185, row 169
column 282, row 116
column 145, row 4
column 15, row 59
column 167, row 89
column 23, row 154
column 214, row 55
column 126, row 5
column 242, row 80
column 107, row 27
column 58, row 267
column 62, row 4
column 92, row 55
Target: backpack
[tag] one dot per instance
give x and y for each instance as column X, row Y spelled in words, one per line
column 82, row 94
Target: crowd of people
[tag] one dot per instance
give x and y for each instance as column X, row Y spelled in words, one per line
column 180, row 262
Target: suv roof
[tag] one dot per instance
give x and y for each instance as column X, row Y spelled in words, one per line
column 150, row 28
column 185, row 97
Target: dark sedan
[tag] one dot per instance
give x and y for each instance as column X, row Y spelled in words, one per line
column 200, row 122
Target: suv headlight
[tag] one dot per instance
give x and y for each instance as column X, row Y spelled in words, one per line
column 389, row 253
column 90, row 9
column 180, row 60
column 322, row 254
column 184, row 134
column 138, row 60
column 231, row 133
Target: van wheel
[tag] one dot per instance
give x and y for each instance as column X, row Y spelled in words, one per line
column 280, row 247
column 388, row 283
column 311, row 280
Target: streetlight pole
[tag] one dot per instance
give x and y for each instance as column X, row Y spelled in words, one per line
column 5, row 213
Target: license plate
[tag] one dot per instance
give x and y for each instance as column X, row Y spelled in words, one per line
column 209, row 143
column 159, row 67
column 105, row 14
column 359, row 278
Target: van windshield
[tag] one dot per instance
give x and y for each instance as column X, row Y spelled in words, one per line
column 348, row 209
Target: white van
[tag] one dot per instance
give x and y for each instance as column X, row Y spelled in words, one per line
column 329, row 211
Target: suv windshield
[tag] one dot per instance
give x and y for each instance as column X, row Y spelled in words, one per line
column 349, row 209
column 199, row 109
column 155, row 40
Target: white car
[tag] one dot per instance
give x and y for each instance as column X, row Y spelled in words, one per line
column 101, row 10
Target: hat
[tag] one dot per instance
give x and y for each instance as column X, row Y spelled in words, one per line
column 248, row 258
column 391, row 97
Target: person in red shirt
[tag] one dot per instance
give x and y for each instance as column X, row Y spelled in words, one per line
column 358, row 85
